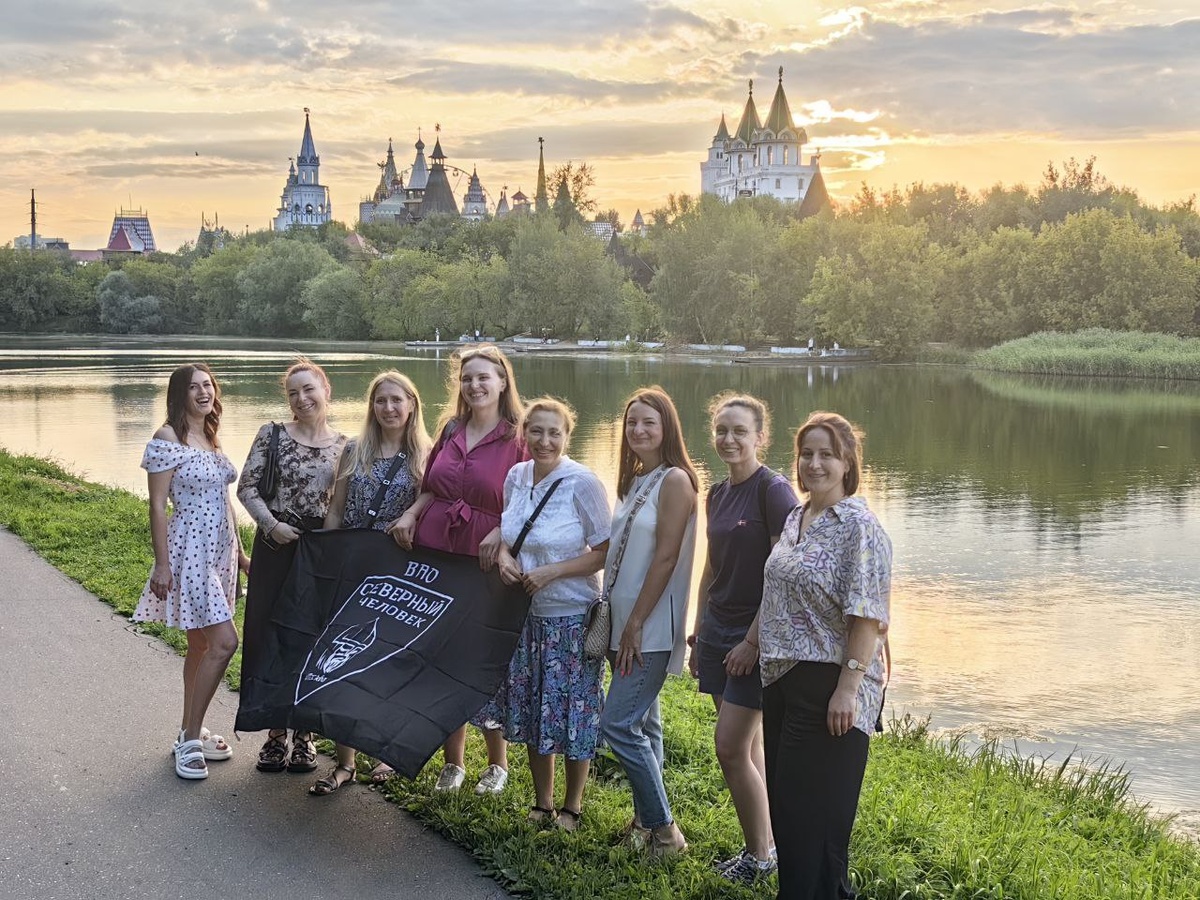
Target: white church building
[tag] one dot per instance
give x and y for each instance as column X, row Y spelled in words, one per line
column 304, row 201
column 764, row 158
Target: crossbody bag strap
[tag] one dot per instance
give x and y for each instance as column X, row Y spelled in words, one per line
column 381, row 491
column 520, row 541
column 638, row 503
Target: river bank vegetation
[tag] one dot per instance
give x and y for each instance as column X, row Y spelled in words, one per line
column 1096, row 352
column 890, row 271
column 937, row 819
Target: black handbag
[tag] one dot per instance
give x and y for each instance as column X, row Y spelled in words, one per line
column 268, row 481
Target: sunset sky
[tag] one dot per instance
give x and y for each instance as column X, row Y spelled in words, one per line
column 195, row 108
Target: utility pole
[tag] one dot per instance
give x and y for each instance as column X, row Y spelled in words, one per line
column 32, row 220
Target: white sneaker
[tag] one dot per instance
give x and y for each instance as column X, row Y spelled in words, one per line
column 492, row 781
column 450, row 778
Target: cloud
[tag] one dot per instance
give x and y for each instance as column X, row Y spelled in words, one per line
column 1038, row 70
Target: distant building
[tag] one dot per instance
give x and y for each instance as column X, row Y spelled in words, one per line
column 764, row 158
column 38, row 242
column 639, row 224
column 427, row 192
column 130, row 236
column 213, row 235
column 304, row 202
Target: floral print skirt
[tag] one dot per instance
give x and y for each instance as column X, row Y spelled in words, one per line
column 553, row 698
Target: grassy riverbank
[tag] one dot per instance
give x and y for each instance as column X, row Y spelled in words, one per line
column 1096, row 352
column 936, row 821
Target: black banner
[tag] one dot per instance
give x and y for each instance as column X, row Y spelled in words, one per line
column 383, row 649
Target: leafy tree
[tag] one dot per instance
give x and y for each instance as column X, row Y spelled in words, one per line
column 882, row 295
column 566, row 213
column 123, row 310
column 271, row 286
column 333, row 304
column 217, row 293
column 40, row 290
column 388, row 280
column 580, row 179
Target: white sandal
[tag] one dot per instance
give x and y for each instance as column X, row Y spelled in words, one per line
column 214, row 747
column 187, row 753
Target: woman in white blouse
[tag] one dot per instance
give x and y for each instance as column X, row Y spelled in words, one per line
column 553, row 693
column 649, row 591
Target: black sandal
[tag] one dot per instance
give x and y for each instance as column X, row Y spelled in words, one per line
column 331, row 782
column 304, row 753
column 567, row 819
column 273, row 755
column 539, row 815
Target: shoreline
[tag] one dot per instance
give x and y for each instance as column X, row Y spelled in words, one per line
column 1003, row 812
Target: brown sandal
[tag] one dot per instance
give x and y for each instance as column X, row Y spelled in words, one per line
column 539, row 815
column 331, row 782
column 304, row 753
column 273, row 755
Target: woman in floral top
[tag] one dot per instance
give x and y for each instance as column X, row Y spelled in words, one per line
column 822, row 624
column 393, row 435
column 308, row 450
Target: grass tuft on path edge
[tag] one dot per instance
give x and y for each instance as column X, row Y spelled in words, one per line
column 937, row 821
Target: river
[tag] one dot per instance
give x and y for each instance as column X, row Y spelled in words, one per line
column 1047, row 577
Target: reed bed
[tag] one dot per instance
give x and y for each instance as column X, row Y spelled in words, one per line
column 939, row 820
column 1097, row 352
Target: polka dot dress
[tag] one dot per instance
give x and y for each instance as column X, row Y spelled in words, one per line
column 201, row 545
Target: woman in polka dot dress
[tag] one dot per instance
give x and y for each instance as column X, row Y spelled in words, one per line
column 196, row 553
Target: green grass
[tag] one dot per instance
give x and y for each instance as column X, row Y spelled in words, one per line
column 936, row 820
column 1097, row 352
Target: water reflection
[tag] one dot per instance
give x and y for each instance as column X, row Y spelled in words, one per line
column 1047, row 583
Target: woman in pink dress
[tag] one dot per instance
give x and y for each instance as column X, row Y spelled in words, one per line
column 458, row 510
column 193, row 584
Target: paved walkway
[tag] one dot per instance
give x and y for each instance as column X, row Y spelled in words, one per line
column 91, row 806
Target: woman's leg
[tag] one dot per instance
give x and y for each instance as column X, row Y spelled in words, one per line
column 577, row 773
column 737, row 731
column 541, row 767
column 627, row 725
column 221, row 641
column 197, row 646
column 813, row 781
column 497, row 746
column 455, row 749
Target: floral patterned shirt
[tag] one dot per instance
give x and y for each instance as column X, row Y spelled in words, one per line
column 841, row 567
column 305, row 478
column 361, row 490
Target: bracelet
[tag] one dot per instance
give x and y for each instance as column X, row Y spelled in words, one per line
column 750, row 642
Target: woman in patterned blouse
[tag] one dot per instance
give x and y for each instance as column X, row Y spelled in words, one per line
column 821, row 628
column 393, row 435
column 308, row 450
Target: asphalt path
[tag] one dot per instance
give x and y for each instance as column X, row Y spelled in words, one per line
column 91, row 805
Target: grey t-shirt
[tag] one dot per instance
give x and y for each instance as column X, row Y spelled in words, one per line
column 739, row 541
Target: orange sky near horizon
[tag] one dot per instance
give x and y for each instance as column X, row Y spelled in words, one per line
column 196, row 111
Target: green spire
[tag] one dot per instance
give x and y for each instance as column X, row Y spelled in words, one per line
column 750, row 122
column 780, row 117
column 541, row 200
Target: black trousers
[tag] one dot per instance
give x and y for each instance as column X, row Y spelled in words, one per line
column 813, row 782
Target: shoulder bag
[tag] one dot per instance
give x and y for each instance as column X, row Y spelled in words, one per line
column 268, row 481
column 597, row 634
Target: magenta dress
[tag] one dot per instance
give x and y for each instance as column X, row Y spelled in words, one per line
column 467, row 488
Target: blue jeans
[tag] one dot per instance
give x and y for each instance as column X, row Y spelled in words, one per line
column 632, row 726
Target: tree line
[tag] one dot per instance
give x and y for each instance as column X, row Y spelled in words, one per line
column 892, row 271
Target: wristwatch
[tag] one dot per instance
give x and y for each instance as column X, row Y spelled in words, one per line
column 855, row 666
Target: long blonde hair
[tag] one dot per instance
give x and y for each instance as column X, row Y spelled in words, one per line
column 360, row 456
column 457, row 410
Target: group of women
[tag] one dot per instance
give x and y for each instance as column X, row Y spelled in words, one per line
column 792, row 605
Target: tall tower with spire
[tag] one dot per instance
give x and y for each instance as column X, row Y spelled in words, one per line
column 541, row 199
column 474, row 202
column 764, row 158
column 304, row 202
